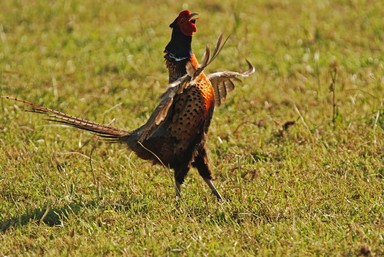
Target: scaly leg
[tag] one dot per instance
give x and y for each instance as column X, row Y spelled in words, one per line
column 213, row 188
column 201, row 163
column 178, row 190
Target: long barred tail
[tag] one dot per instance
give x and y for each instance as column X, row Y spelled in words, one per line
column 104, row 131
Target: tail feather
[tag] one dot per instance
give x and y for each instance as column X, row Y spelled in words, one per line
column 104, row 131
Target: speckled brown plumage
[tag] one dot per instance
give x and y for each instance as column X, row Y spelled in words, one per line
column 176, row 69
column 192, row 108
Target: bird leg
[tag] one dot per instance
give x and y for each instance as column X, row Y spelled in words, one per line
column 209, row 183
column 213, row 188
column 201, row 163
column 178, row 190
column 179, row 174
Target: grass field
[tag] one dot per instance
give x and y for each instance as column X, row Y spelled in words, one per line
column 297, row 148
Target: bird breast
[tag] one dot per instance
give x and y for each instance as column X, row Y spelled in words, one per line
column 192, row 112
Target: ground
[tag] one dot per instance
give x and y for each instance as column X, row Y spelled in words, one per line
column 297, row 149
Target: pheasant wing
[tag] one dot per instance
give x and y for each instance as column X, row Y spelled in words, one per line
column 222, row 82
column 162, row 110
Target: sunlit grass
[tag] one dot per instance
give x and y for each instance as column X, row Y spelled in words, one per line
column 300, row 163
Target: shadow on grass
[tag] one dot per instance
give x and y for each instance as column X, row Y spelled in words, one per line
column 49, row 216
column 56, row 216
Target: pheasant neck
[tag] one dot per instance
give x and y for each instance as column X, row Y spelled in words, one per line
column 179, row 48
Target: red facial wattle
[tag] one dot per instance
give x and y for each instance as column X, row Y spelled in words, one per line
column 186, row 22
column 187, row 28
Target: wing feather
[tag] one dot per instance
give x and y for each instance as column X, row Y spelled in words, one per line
column 222, row 82
column 162, row 109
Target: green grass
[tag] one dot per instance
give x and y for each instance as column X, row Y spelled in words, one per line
column 313, row 189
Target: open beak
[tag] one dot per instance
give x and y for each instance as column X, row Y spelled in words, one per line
column 192, row 17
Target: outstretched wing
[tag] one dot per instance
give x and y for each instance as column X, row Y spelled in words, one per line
column 207, row 58
column 222, row 82
column 166, row 100
column 162, row 109
column 177, row 87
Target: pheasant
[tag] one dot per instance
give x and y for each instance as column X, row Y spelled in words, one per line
column 175, row 133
